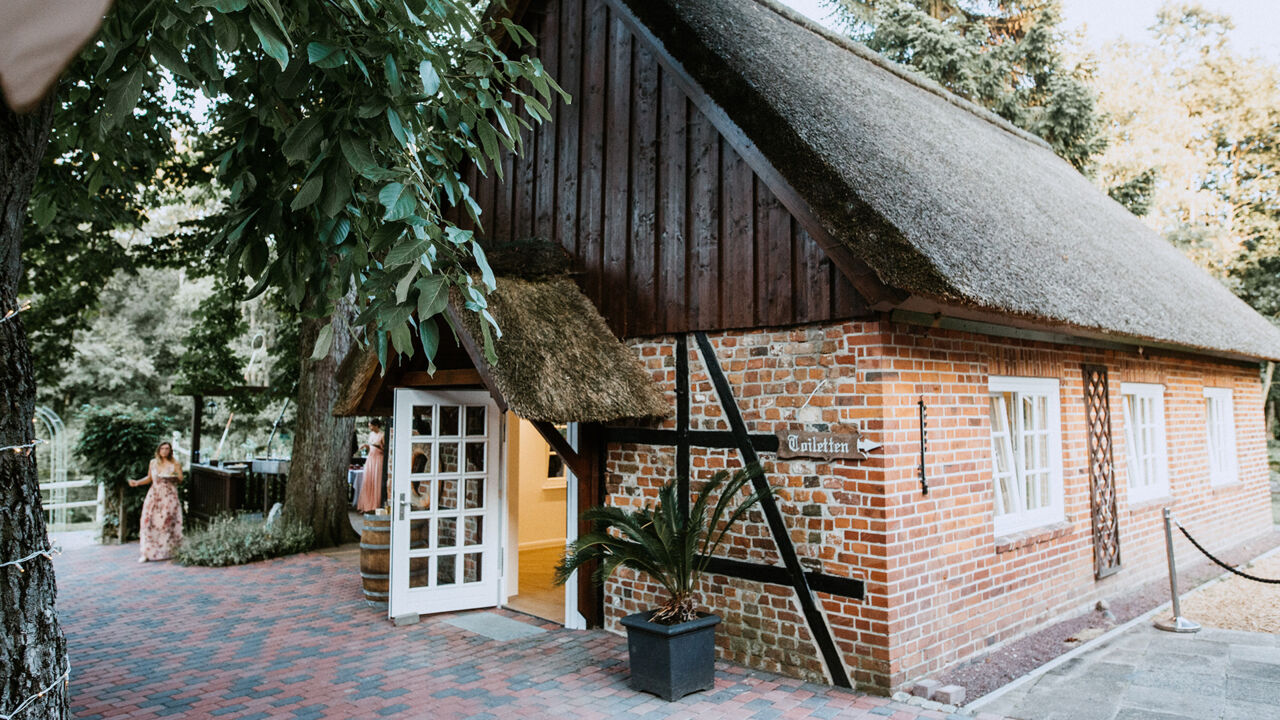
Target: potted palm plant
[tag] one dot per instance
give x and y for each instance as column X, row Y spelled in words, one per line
column 671, row 648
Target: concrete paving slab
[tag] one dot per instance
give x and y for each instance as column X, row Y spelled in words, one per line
column 1182, row 680
column 1253, row 690
column 1140, row 714
column 1156, row 699
column 1254, row 653
column 1146, row 674
column 1259, row 670
column 1252, row 711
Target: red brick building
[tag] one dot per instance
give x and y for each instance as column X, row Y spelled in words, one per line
column 794, row 237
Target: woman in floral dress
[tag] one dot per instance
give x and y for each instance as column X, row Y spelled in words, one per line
column 371, row 486
column 161, row 511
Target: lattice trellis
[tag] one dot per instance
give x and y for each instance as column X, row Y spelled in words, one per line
column 1102, row 475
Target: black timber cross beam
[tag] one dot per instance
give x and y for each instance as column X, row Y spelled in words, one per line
column 795, row 573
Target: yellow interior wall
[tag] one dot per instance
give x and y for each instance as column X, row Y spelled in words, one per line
column 540, row 518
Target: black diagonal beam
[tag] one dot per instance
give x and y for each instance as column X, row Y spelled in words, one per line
column 777, row 526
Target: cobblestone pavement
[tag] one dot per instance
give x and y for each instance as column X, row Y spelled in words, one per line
column 292, row 638
column 1147, row 674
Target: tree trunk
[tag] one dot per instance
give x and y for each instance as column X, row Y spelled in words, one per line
column 33, row 651
column 317, row 489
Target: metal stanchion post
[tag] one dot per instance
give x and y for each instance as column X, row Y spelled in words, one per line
column 1178, row 623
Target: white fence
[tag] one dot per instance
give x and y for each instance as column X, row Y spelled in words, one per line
column 56, row 507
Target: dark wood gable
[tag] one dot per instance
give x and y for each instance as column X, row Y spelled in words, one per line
column 669, row 227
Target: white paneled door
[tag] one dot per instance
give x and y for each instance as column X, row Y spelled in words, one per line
column 445, row 502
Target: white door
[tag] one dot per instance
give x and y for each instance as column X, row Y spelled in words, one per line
column 573, row 620
column 445, row 502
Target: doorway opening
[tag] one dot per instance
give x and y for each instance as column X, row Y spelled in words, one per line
column 538, row 492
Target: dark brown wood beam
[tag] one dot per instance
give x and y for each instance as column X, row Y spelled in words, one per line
column 422, row 378
column 579, row 464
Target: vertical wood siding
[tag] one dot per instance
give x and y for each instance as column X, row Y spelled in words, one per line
column 669, row 228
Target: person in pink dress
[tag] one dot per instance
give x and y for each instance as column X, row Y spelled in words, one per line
column 161, row 511
column 371, row 486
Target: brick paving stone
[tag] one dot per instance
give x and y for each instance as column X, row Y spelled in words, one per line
column 293, row 639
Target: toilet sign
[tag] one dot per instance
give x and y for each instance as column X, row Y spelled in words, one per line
column 823, row 446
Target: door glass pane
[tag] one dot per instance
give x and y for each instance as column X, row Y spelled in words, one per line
column 420, row 458
column 419, row 569
column 475, row 457
column 474, row 499
column 419, row 533
column 446, row 569
column 473, row 530
column 422, row 419
column 449, row 419
column 471, row 567
column 420, row 495
column 448, row 458
column 475, row 421
column 448, row 494
column 447, row 532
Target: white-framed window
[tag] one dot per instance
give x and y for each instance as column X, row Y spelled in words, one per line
column 1144, row 439
column 1220, row 419
column 1026, row 448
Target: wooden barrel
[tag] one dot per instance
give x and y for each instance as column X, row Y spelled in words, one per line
column 375, row 559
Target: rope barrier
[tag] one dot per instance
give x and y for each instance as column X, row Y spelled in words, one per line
column 1222, row 564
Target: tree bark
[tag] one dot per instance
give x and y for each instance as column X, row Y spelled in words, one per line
column 33, row 651
column 316, row 492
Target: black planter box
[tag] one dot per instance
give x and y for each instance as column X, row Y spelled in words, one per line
column 671, row 661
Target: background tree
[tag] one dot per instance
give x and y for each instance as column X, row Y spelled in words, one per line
column 1193, row 122
column 1007, row 55
column 356, row 114
column 1196, row 124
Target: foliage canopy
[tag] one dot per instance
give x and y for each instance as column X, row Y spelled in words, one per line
column 1006, row 55
column 334, row 132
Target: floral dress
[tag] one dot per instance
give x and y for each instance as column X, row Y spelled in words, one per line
column 161, row 513
column 371, row 486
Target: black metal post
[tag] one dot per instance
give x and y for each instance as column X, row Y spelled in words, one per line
column 197, row 416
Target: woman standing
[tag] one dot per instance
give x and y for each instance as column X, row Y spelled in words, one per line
column 161, row 512
column 371, row 486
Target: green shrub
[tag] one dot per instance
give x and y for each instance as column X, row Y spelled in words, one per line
column 116, row 446
column 233, row 540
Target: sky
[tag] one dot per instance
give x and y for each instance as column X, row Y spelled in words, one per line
column 1256, row 20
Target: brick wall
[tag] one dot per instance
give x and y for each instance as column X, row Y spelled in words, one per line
column 940, row 587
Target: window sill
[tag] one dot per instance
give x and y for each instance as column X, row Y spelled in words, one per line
column 1233, row 484
column 555, row 484
column 1148, row 503
column 1034, row 536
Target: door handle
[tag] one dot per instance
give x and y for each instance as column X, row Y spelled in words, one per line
column 402, row 505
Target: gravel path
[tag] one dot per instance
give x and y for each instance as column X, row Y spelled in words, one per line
column 1240, row 604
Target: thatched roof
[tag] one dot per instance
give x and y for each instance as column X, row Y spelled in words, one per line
column 940, row 198
column 557, row 360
